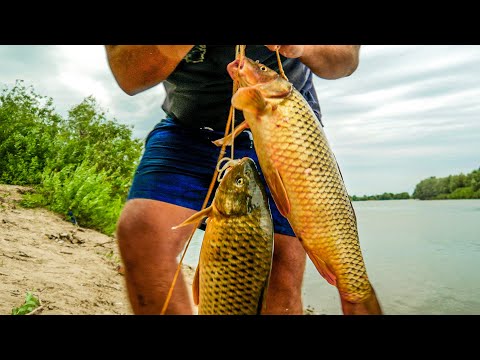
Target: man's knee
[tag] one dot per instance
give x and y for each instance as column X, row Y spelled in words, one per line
column 131, row 226
column 147, row 224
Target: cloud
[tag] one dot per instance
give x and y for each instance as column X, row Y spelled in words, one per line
column 405, row 109
column 408, row 112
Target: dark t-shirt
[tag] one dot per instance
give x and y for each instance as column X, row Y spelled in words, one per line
column 199, row 91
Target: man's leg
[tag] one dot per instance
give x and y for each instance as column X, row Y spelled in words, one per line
column 149, row 250
column 284, row 295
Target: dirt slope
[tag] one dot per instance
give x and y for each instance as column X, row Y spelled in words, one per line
column 72, row 270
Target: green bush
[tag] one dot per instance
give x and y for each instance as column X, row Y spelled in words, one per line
column 83, row 163
column 451, row 187
column 462, row 193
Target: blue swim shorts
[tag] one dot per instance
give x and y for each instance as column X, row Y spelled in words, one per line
column 178, row 164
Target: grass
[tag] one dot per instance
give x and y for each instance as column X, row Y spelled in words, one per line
column 113, row 257
column 31, row 303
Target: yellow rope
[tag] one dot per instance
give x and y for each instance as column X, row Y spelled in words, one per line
column 280, row 67
column 240, row 53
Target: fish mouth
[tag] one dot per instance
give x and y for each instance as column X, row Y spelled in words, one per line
column 245, row 72
column 244, row 162
column 234, row 67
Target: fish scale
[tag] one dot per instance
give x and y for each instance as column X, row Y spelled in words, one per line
column 240, row 242
column 302, row 172
column 234, row 248
column 321, row 212
column 236, row 255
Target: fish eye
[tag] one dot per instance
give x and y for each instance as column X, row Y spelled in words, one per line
column 239, row 181
column 263, row 68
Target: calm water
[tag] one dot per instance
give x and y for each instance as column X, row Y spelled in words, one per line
column 422, row 257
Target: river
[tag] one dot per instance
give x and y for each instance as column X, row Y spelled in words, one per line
column 422, row 257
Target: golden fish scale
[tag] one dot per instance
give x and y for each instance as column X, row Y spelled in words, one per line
column 235, row 262
column 321, row 212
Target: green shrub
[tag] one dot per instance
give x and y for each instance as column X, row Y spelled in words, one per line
column 83, row 163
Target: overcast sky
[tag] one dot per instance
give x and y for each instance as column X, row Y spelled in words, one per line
column 409, row 111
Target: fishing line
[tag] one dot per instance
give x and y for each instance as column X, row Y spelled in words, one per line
column 224, row 169
column 280, row 67
column 239, row 54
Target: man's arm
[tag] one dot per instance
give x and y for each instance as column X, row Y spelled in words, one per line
column 326, row 61
column 139, row 67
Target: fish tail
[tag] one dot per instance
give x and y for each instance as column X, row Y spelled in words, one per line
column 369, row 306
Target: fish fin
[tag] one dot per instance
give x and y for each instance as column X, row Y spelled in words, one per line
column 196, row 285
column 197, row 216
column 262, row 306
column 369, row 306
column 279, row 194
column 262, row 301
column 229, row 138
column 249, row 99
column 341, row 176
column 322, row 268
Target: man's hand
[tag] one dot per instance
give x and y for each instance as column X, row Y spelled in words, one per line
column 289, row 51
column 326, row 61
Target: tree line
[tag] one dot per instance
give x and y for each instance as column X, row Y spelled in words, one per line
column 462, row 186
column 384, row 196
column 84, row 163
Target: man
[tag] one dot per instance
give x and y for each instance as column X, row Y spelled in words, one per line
column 173, row 176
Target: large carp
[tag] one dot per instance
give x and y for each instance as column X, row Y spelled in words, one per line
column 304, row 178
column 233, row 272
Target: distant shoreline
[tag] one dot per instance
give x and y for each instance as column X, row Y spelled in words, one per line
column 359, row 200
